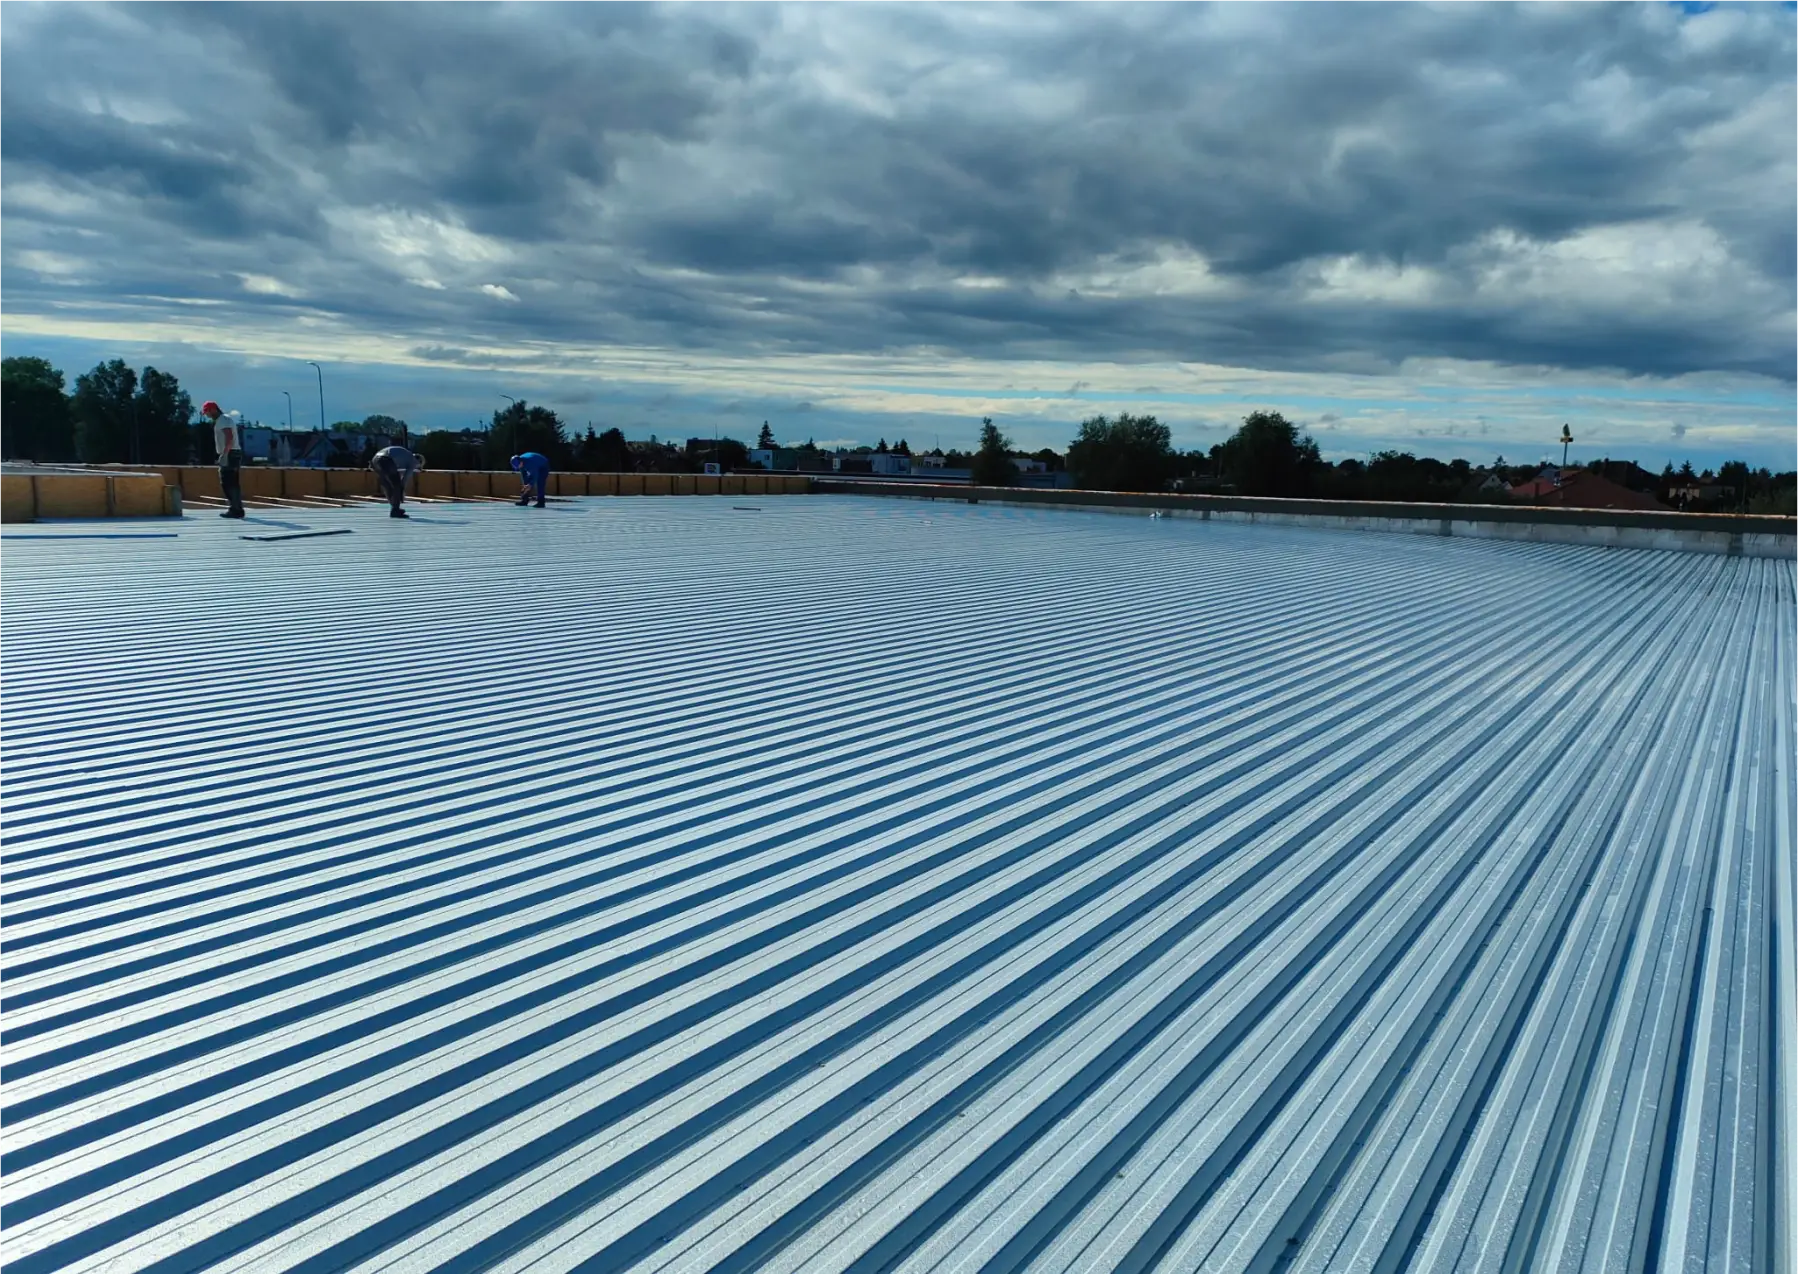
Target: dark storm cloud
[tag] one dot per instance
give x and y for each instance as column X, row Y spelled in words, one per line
column 825, row 178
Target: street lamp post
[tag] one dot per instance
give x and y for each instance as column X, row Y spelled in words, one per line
column 1566, row 441
column 289, row 410
column 322, row 433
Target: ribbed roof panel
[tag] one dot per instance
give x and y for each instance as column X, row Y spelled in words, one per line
column 851, row 884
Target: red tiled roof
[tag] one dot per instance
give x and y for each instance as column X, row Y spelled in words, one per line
column 1582, row 490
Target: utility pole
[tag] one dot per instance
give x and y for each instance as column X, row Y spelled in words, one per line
column 289, row 411
column 1566, row 441
column 322, row 431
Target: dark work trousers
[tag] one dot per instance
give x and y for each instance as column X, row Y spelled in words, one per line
column 231, row 479
column 392, row 485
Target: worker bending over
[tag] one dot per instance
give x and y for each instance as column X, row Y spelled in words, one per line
column 393, row 465
column 533, row 469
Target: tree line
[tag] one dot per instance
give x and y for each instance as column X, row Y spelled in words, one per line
column 525, row 426
column 112, row 414
column 1270, row 456
column 1266, row 456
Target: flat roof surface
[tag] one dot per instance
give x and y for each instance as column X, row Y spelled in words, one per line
column 839, row 883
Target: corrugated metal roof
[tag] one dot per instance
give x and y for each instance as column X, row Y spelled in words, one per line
column 850, row 884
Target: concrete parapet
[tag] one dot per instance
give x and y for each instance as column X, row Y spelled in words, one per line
column 263, row 483
column 146, row 497
column 1746, row 534
column 438, row 484
column 87, row 493
column 201, row 480
column 340, row 482
column 470, row 484
column 18, row 498
column 152, row 490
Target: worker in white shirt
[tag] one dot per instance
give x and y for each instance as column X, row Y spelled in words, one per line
column 227, row 440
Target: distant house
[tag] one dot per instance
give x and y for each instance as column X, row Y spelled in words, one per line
column 1483, row 487
column 1580, row 489
column 1702, row 493
column 307, row 448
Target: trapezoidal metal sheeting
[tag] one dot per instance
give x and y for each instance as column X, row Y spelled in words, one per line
column 852, row 884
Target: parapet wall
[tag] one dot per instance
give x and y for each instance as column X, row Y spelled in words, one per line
column 1750, row 535
column 100, row 491
column 86, row 493
column 261, row 482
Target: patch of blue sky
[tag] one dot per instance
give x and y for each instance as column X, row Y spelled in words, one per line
column 1695, row 8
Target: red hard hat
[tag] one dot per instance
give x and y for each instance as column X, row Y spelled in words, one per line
column 209, row 409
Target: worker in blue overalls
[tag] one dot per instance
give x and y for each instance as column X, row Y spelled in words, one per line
column 534, row 469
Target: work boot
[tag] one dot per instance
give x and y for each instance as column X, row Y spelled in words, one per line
column 399, row 513
column 232, row 513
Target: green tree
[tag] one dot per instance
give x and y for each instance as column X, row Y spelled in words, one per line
column 728, row 453
column 1131, row 453
column 902, row 449
column 605, row 452
column 35, row 419
column 1269, row 456
column 389, row 427
column 165, row 419
column 1734, row 475
column 446, row 449
column 992, row 463
column 522, row 427
column 102, row 406
column 1398, row 476
column 765, row 440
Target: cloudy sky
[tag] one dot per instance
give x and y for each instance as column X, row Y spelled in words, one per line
column 1445, row 229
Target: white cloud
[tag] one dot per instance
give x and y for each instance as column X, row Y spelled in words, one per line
column 266, row 285
column 55, row 264
column 1480, row 204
